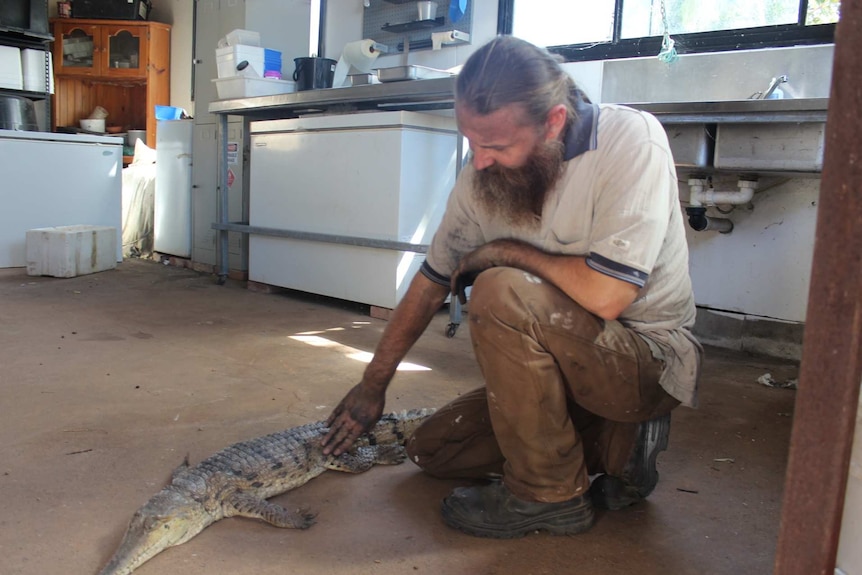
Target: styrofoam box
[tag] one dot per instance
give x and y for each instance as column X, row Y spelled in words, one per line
column 239, row 87
column 228, row 58
column 70, row 251
column 10, row 68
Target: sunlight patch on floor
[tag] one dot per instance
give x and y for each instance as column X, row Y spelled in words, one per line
column 351, row 352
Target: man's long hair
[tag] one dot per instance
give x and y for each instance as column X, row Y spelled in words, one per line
column 508, row 70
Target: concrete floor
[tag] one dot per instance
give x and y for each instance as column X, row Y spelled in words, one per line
column 107, row 381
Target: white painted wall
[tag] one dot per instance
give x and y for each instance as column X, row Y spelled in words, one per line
column 179, row 14
column 763, row 267
column 344, row 24
column 849, row 559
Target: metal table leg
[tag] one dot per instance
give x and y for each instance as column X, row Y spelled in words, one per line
column 222, row 203
column 454, row 304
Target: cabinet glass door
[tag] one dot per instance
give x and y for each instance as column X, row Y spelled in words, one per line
column 124, row 51
column 78, row 48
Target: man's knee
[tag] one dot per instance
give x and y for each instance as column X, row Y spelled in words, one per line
column 521, row 299
column 497, row 284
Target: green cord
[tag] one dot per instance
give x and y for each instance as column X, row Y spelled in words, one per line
column 668, row 53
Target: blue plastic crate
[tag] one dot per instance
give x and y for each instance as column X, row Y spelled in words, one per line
column 168, row 113
column 271, row 60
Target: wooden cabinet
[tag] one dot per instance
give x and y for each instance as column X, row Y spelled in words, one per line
column 120, row 65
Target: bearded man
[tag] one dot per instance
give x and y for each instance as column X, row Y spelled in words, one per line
column 567, row 225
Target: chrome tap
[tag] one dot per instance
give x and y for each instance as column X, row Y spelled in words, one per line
column 778, row 80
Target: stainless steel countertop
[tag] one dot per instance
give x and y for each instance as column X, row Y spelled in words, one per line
column 439, row 94
column 738, row 111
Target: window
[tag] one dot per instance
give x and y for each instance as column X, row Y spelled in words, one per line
column 604, row 29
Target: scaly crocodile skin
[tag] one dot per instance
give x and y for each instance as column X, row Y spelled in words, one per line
column 239, row 479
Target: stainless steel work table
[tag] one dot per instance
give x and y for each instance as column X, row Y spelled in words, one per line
column 434, row 94
column 413, row 95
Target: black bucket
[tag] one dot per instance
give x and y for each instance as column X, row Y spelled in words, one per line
column 314, row 73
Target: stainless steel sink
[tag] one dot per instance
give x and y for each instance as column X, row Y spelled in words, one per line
column 692, row 145
column 745, row 135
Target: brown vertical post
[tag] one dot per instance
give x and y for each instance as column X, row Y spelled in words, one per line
column 831, row 371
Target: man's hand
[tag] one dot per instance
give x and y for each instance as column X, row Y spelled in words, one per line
column 357, row 413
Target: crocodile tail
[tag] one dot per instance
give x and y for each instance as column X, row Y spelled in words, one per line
column 396, row 427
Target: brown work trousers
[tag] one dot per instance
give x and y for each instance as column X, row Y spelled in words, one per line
column 564, row 393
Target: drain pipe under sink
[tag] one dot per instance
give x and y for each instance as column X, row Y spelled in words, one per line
column 701, row 197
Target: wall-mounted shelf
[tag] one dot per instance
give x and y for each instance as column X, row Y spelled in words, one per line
column 25, row 35
column 27, row 94
column 415, row 25
column 34, row 38
column 392, row 22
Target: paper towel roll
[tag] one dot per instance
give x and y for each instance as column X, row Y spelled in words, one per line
column 360, row 54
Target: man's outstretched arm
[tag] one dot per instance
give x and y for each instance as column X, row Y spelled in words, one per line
column 363, row 404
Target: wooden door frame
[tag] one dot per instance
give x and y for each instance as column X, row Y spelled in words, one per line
column 831, row 371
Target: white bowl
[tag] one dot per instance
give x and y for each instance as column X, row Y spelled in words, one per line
column 93, row 125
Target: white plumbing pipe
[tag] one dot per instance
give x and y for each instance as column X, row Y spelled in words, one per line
column 695, row 191
column 702, row 196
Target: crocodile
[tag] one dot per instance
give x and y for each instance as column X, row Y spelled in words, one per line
column 238, row 480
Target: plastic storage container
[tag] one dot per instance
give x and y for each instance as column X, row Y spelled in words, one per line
column 27, row 15
column 10, row 68
column 168, row 113
column 239, row 36
column 240, row 87
column 112, row 9
column 271, row 60
column 227, row 60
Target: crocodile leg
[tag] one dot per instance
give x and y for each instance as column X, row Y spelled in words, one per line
column 244, row 505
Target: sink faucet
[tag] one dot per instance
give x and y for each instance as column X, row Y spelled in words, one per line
column 778, row 80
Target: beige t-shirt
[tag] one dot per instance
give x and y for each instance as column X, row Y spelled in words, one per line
column 616, row 204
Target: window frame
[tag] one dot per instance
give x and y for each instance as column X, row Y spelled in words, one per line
column 775, row 36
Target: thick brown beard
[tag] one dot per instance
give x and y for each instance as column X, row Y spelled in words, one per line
column 518, row 194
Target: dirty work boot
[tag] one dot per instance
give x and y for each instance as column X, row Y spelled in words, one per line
column 492, row 511
column 640, row 476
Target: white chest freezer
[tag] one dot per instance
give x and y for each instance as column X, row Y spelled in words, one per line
column 56, row 180
column 378, row 175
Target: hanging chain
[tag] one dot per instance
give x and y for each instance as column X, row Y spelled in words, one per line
column 664, row 15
